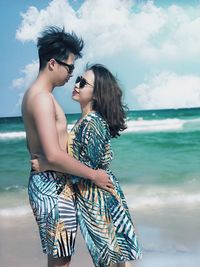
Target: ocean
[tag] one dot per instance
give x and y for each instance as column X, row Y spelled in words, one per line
column 157, row 160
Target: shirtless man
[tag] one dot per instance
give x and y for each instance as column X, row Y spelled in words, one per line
column 50, row 192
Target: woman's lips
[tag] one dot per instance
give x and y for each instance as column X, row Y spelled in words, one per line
column 75, row 92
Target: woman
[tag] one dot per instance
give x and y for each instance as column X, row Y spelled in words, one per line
column 104, row 219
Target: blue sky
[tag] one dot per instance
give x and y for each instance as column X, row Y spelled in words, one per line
column 152, row 46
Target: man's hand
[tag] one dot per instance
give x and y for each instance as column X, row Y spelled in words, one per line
column 39, row 163
column 103, row 181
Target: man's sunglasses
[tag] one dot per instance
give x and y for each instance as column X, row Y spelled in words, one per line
column 82, row 82
column 69, row 66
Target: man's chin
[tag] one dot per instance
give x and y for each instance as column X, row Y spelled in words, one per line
column 63, row 83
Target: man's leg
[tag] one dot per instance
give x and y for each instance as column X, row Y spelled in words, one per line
column 121, row 264
column 58, row 262
column 124, row 264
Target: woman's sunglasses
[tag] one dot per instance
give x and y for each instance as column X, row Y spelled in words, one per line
column 82, row 82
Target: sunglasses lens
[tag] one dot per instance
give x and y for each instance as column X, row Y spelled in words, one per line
column 78, row 79
column 82, row 82
column 71, row 68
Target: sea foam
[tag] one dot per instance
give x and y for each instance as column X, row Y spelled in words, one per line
column 15, row 211
column 139, row 125
column 162, row 125
column 19, row 135
column 12, row 135
column 143, row 197
column 140, row 197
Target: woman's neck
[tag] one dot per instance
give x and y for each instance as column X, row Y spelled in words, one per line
column 86, row 110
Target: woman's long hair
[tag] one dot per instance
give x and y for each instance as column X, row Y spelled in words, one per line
column 107, row 99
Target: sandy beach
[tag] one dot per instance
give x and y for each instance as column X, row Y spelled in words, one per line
column 169, row 236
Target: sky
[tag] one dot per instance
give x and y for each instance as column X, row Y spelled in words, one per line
column 152, row 47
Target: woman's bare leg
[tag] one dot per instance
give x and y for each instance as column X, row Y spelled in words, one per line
column 58, row 262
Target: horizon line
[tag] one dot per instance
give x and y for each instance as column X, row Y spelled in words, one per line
column 130, row 110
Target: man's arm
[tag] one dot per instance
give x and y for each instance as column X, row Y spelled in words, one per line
column 43, row 112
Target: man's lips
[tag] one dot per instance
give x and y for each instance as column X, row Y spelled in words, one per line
column 68, row 78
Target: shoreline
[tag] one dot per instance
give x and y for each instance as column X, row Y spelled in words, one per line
column 169, row 237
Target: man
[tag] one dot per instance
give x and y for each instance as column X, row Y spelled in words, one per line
column 50, row 193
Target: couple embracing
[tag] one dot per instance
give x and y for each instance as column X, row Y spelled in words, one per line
column 70, row 183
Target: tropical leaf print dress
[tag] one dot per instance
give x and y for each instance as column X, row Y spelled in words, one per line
column 104, row 219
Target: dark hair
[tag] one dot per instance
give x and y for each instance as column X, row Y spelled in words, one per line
column 108, row 99
column 56, row 43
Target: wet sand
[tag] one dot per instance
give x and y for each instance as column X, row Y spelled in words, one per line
column 170, row 237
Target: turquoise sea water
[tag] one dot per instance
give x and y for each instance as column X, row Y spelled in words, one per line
column 157, row 159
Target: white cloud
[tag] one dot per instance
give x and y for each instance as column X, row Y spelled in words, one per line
column 168, row 90
column 153, row 37
column 29, row 74
column 18, row 83
column 18, row 104
column 21, row 84
column 110, row 26
column 58, row 12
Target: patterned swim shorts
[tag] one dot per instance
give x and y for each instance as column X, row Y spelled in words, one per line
column 52, row 200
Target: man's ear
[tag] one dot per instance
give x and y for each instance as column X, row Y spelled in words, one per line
column 51, row 63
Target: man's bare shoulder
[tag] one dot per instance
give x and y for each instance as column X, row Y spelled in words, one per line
column 42, row 97
column 35, row 94
column 37, row 99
